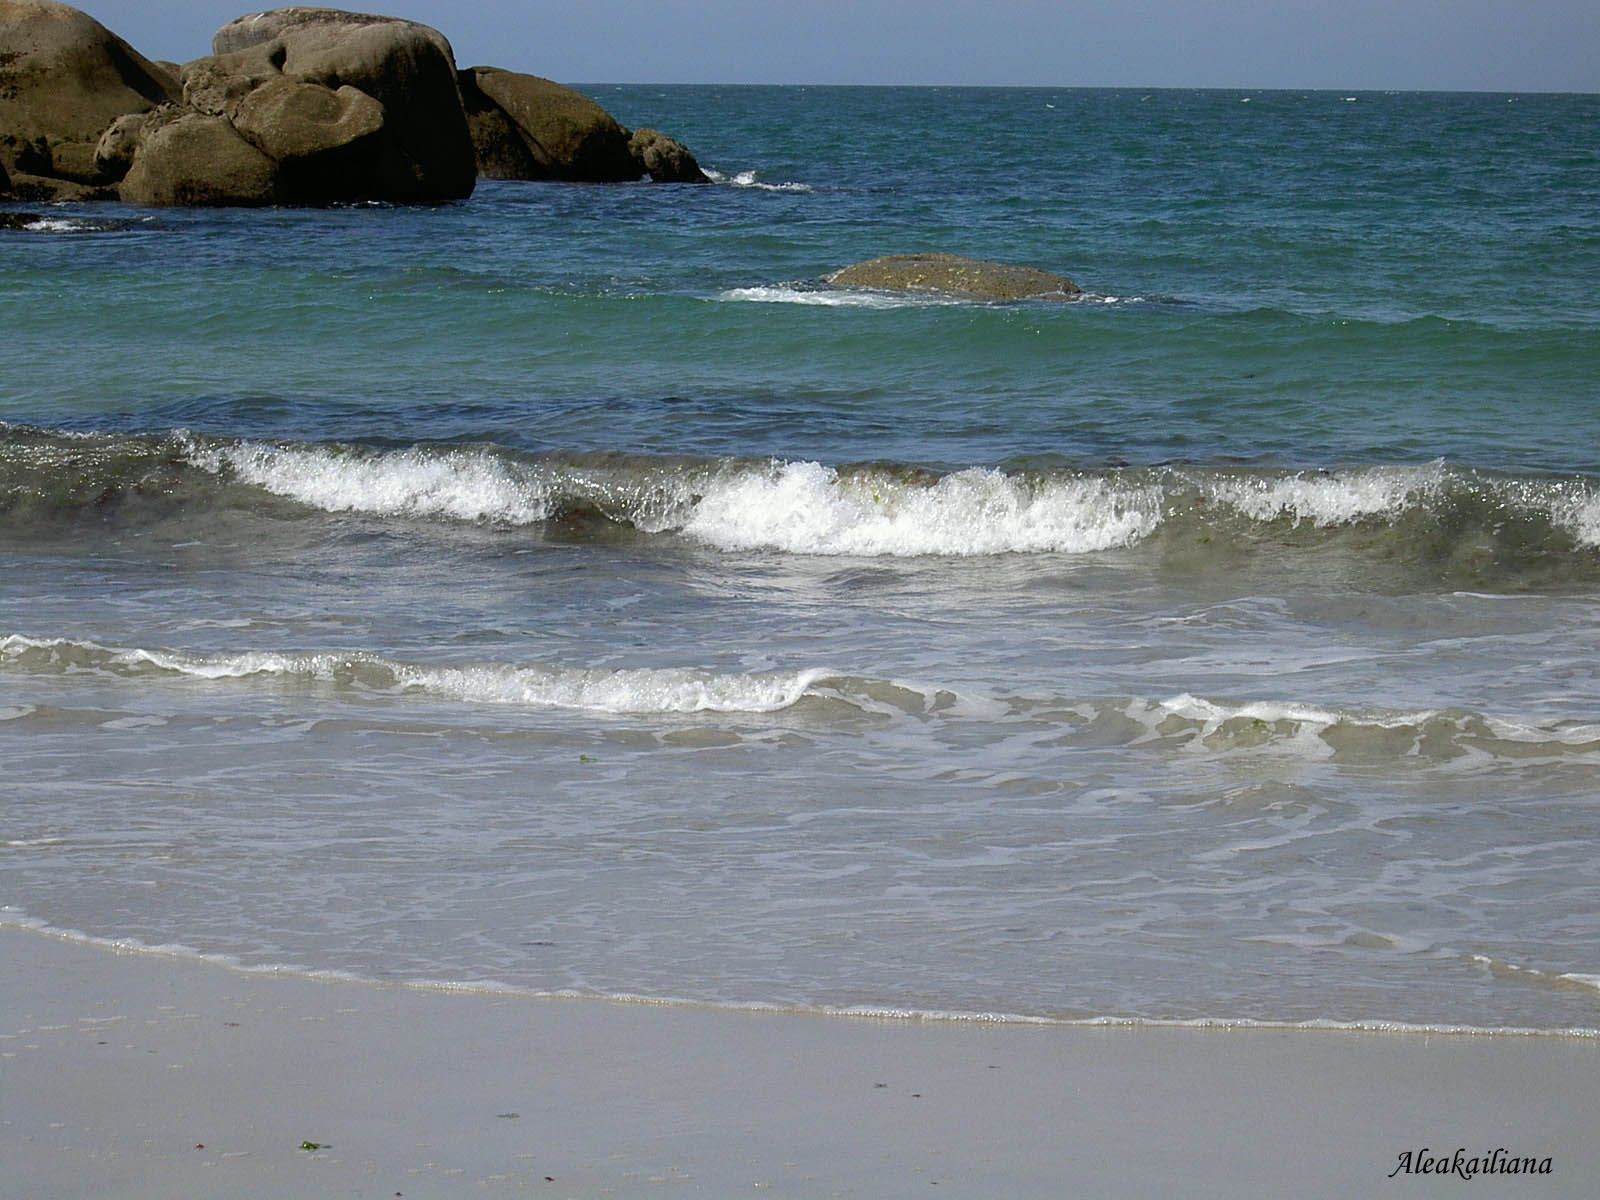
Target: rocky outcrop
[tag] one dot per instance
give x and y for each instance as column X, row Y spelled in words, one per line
column 563, row 134
column 197, row 159
column 953, row 275
column 297, row 105
column 527, row 127
column 664, row 159
column 329, row 107
column 63, row 78
column 425, row 152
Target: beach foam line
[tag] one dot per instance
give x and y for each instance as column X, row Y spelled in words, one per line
column 621, row 690
column 14, row 917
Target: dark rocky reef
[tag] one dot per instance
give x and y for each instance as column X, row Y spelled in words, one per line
column 953, row 275
column 298, row 105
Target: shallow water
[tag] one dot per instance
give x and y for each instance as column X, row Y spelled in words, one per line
column 566, row 590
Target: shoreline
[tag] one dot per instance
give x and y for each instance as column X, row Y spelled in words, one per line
column 144, row 1075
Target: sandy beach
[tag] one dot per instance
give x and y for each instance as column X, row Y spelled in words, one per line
column 142, row 1075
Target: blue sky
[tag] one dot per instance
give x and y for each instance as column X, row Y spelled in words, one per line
column 1489, row 45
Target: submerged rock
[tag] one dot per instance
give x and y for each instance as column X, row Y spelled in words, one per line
column 953, row 275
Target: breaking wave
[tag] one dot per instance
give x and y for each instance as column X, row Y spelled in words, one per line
column 637, row 690
column 1476, row 527
column 748, row 179
column 1178, row 726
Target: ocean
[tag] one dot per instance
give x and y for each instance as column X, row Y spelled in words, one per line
column 565, row 591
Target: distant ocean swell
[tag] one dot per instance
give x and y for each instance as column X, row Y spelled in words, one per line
column 1538, row 528
column 1453, row 738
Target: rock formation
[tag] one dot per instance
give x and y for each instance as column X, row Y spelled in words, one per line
column 953, row 275
column 63, row 78
column 297, row 105
column 526, row 127
column 664, row 159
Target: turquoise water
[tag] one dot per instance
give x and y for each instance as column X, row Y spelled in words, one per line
column 566, row 589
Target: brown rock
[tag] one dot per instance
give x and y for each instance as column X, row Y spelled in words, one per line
column 287, row 118
column 47, row 189
column 113, row 154
column 408, row 68
column 563, row 133
column 953, row 275
column 199, row 159
column 63, row 78
column 501, row 149
column 256, row 29
column 215, row 85
column 664, row 159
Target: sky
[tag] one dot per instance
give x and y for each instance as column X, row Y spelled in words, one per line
column 1458, row 45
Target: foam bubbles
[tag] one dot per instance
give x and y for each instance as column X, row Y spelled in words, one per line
column 620, row 690
column 464, row 484
column 1328, row 499
column 747, row 179
column 790, row 293
column 807, row 508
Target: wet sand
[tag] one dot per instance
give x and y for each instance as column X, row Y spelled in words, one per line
column 141, row 1075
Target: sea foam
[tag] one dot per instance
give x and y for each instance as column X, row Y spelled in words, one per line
column 465, row 484
column 1326, row 498
column 620, row 690
column 807, row 508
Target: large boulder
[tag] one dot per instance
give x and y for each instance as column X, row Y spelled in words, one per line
column 339, row 107
column 407, row 67
column 664, row 159
column 953, row 275
column 197, row 159
column 533, row 128
column 64, row 77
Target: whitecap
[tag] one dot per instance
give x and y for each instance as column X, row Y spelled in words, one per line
column 807, row 508
column 468, row 485
column 799, row 293
column 1328, row 499
column 747, row 179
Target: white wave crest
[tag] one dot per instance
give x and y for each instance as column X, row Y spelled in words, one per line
column 469, row 485
column 60, row 225
column 1329, row 499
column 788, row 293
column 747, row 179
column 1579, row 516
column 807, row 508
